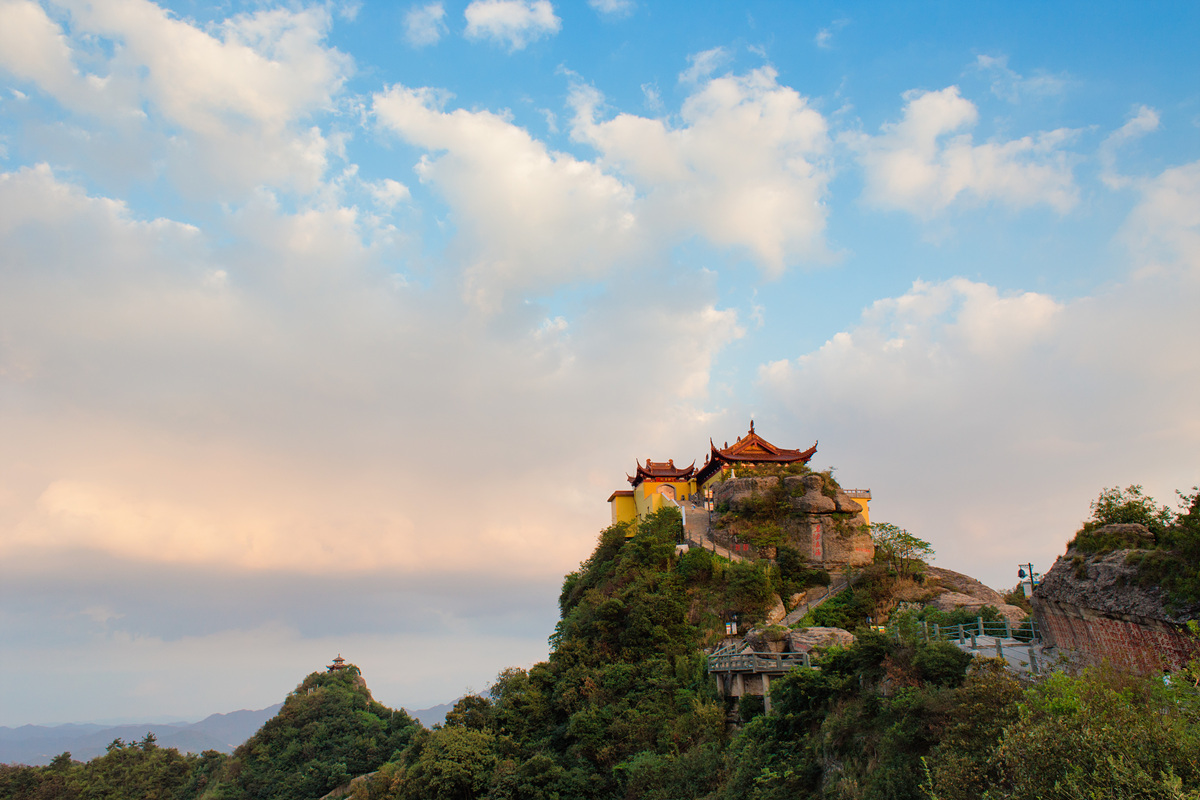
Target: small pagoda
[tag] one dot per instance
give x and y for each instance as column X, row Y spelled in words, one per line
column 749, row 450
column 339, row 663
column 660, row 472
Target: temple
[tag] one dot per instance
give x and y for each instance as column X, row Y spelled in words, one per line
column 749, row 450
column 658, row 483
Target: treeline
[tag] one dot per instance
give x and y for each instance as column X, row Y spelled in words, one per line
column 624, row 708
column 328, row 731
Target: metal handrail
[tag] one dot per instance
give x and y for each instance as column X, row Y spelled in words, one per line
column 756, row 662
column 1002, row 629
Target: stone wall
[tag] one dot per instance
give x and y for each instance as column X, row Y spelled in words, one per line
column 1092, row 608
column 1139, row 644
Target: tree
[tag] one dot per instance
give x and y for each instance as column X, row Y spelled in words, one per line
column 899, row 548
column 1131, row 504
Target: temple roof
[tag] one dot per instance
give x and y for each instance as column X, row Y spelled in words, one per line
column 751, row 449
column 662, row 471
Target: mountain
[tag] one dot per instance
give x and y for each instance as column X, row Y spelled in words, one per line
column 431, row 716
column 37, row 744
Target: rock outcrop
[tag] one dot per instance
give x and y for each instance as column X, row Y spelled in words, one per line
column 802, row 640
column 816, row 517
column 1091, row 607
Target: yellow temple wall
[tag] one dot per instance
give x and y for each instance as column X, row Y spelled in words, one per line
column 624, row 509
column 648, row 498
column 864, row 502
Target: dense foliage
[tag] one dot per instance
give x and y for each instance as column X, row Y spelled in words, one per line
column 1171, row 560
column 624, row 708
column 127, row 770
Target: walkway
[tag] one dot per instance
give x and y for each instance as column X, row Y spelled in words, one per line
column 836, row 587
column 996, row 640
column 696, row 532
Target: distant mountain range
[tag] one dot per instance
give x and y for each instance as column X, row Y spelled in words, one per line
column 36, row 744
column 431, row 716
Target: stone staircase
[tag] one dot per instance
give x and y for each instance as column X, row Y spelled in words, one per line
column 696, row 531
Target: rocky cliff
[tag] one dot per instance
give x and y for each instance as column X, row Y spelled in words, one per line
column 810, row 513
column 1092, row 607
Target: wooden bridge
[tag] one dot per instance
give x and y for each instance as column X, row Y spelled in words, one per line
column 741, row 673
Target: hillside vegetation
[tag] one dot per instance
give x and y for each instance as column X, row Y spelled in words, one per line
column 623, row 708
column 1166, row 551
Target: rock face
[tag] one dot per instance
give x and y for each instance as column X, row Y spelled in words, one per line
column 777, row 612
column 736, row 491
column 1090, row 607
column 1104, row 583
column 964, row 584
column 804, row 639
column 824, row 523
column 949, row 601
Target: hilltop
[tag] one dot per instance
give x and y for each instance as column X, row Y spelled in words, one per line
column 624, row 707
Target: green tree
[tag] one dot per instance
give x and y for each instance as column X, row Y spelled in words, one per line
column 329, row 730
column 453, row 763
column 902, row 550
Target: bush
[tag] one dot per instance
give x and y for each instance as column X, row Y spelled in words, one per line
column 941, row 663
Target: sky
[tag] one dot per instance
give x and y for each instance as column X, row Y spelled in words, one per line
column 330, row 328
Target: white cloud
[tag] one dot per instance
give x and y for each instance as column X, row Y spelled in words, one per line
column 1014, row 87
column 388, row 192
column 225, row 109
column 33, row 48
column 1164, row 229
column 425, row 25
column 923, row 165
column 243, row 406
column 1142, row 121
column 824, row 37
column 704, row 64
column 528, row 218
column 613, row 8
column 653, row 96
column 746, row 169
column 514, row 23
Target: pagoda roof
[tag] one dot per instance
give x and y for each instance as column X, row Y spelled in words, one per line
column 751, row 449
column 660, row 471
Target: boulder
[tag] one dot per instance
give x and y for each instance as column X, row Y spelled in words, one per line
column 845, row 504
column 735, row 490
column 1014, row 614
column 814, row 503
column 777, row 612
column 802, row 640
column 1107, row 583
column 1134, row 533
column 949, row 601
column 813, row 594
column 964, row 584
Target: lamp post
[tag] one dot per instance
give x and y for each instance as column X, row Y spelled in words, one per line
column 1029, row 578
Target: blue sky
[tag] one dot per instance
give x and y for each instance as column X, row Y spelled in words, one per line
column 330, row 327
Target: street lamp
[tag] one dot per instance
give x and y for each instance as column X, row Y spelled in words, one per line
column 1025, row 571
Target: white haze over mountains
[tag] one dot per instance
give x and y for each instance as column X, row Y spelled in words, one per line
column 330, row 328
